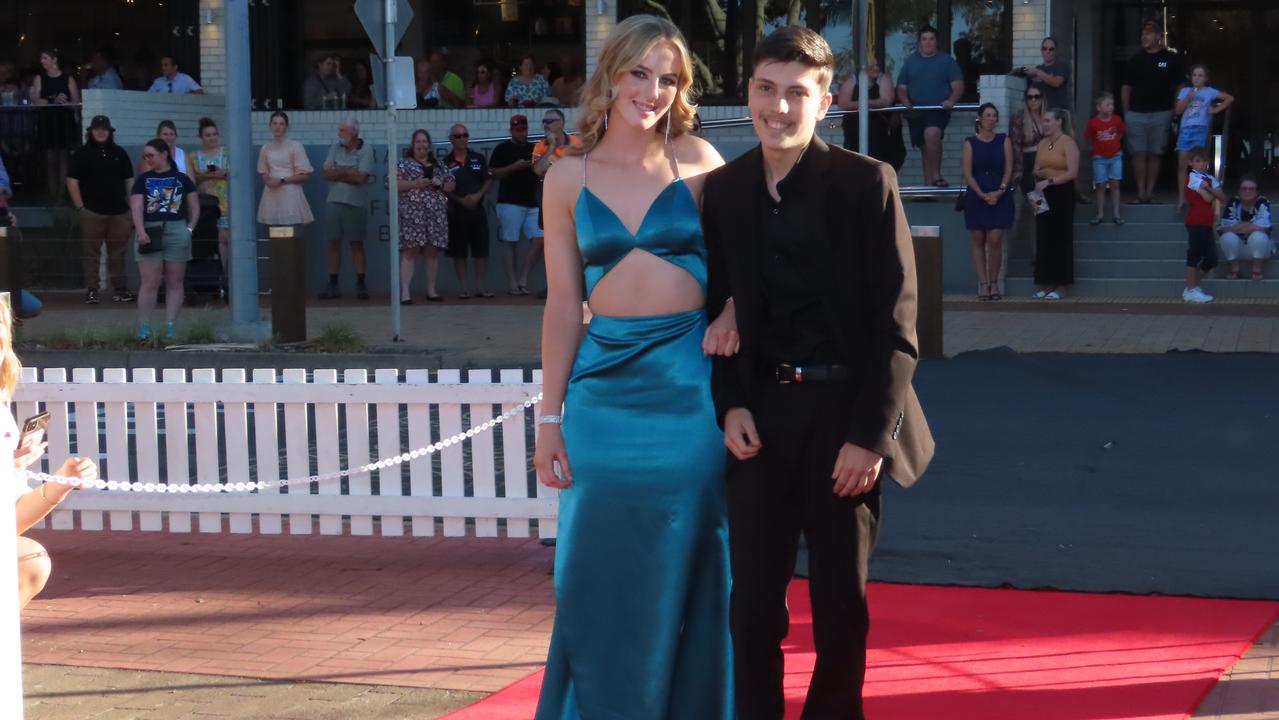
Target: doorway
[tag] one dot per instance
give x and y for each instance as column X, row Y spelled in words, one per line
column 1230, row 38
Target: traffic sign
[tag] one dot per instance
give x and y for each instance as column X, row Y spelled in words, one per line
column 372, row 15
column 403, row 89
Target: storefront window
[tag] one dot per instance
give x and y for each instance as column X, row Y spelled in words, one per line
column 722, row 32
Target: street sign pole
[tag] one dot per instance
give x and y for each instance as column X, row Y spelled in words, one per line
column 392, row 176
column 860, row 33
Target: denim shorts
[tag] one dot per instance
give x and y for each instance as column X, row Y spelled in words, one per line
column 1191, row 137
column 1107, row 168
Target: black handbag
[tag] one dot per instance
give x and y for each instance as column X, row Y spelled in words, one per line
column 961, row 199
column 155, row 233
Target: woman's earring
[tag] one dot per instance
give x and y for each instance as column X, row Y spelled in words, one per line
column 606, row 112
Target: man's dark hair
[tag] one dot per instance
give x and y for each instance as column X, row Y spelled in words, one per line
column 1050, row 39
column 557, row 111
column 796, row 43
column 925, row 29
column 1247, row 177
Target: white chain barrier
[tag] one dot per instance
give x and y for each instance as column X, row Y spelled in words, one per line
column 326, row 477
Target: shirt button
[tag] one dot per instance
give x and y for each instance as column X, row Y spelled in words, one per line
column 776, row 211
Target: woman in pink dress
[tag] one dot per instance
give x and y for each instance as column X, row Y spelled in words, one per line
column 284, row 168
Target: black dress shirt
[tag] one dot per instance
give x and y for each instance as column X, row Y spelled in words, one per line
column 797, row 329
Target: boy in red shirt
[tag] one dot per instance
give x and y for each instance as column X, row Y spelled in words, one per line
column 1105, row 132
column 1201, row 255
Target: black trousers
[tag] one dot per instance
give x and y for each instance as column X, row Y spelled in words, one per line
column 772, row 497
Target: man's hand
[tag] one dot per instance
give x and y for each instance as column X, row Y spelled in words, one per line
column 740, row 436
column 856, row 470
column 948, row 103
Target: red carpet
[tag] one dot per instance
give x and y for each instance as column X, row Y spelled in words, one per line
column 1009, row 654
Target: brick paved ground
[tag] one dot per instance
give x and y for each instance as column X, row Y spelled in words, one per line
column 384, row 621
column 55, row 692
column 447, row 613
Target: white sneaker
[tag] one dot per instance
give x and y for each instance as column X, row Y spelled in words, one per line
column 1054, row 295
column 1040, row 295
column 1195, row 295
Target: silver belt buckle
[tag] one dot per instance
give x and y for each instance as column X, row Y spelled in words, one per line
column 798, row 373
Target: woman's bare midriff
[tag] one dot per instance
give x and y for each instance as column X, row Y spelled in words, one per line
column 644, row 284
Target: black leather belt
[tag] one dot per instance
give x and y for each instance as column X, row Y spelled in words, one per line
column 787, row 373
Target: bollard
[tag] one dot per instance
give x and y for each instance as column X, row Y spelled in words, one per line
column 288, row 286
column 928, row 277
column 11, row 265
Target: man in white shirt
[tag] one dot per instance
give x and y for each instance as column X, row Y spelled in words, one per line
column 172, row 81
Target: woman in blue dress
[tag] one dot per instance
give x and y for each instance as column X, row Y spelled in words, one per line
column 641, row 566
column 988, row 200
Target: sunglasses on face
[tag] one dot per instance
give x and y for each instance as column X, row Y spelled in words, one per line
column 1048, row 48
column 459, row 136
column 550, row 121
column 1034, row 97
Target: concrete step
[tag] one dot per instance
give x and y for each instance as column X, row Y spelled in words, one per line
column 1152, row 287
column 1132, row 232
column 1151, row 269
column 1092, row 249
column 1131, row 213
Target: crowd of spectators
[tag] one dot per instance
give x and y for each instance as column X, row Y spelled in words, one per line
column 437, row 84
column 55, row 82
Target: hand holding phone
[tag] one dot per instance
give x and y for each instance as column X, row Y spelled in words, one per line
column 31, row 444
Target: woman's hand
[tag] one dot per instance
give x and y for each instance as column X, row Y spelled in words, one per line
column 31, row 449
column 1039, row 186
column 550, row 451
column 143, row 238
column 81, row 468
column 721, row 336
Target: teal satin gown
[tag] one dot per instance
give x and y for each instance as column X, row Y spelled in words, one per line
column 641, row 564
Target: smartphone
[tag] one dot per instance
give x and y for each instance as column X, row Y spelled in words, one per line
column 33, row 424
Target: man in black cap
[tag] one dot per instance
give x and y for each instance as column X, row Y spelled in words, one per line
column 1151, row 82
column 98, row 183
column 517, row 206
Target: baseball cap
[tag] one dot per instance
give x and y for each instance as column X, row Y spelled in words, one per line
column 1149, row 26
column 519, row 121
column 101, row 122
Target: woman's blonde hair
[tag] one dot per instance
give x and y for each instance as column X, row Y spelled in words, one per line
column 625, row 48
column 10, row 368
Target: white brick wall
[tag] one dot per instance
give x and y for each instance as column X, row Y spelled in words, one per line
column 213, row 47
column 1028, row 31
column 598, row 26
column 135, row 114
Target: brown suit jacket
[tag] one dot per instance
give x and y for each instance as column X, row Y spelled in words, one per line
column 856, row 231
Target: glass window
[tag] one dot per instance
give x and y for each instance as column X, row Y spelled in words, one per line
column 980, row 40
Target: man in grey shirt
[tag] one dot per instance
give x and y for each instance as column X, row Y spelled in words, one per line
column 347, row 169
column 1052, row 77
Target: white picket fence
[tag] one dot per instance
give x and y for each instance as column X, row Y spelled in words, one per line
column 280, row 425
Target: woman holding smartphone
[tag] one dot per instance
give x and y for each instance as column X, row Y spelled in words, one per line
column 422, row 182
column 32, row 505
column 209, row 166
column 165, row 210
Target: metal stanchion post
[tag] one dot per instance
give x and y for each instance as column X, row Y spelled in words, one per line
column 928, row 276
column 288, row 288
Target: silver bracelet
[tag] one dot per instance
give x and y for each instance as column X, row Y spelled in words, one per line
column 550, row 420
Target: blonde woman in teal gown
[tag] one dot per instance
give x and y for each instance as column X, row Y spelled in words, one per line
column 641, row 566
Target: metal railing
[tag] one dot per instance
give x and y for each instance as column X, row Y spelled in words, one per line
column 906, row 191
